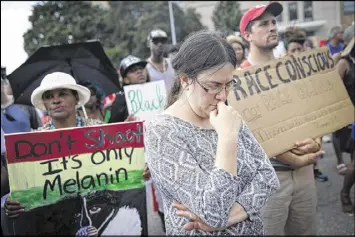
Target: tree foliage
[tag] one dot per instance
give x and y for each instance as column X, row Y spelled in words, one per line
column 226, row 16
column 60, row 22
column 135, row 19
column 122, row 28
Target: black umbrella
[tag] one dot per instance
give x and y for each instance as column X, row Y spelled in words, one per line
column 84, row 61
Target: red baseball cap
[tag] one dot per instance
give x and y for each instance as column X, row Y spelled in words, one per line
column 274, row 8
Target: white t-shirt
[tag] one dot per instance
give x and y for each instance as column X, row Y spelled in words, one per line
column 168, row 76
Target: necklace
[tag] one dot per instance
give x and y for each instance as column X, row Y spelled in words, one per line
column 155, row 66
column 78, row 123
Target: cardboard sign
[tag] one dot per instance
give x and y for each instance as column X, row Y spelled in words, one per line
column 291, row 99
column 146, row 100
column 79, row 181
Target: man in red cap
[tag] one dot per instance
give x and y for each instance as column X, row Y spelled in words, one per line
column 292, row 210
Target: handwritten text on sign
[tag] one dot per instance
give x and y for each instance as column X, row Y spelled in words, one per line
column 146, row 100
column 290, row 99
column 44, row 167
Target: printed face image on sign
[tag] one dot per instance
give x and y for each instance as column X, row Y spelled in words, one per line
column 83, row 181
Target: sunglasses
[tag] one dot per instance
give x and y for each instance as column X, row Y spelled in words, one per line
column 159, row 40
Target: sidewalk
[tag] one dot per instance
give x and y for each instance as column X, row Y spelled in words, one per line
column 330, row 218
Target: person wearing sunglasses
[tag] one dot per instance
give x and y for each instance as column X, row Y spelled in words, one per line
column 213, row 175
column 159, row 67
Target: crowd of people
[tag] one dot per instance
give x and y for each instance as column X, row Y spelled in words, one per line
column 204, row 177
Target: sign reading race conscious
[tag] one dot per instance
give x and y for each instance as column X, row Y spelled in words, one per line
column 79, row 181
column 291, row 99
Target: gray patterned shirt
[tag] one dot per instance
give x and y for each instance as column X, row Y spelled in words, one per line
column 181, row 159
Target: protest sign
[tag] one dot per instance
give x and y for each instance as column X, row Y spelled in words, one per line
column 291, row 99
column 79, row 181
column 146, row 100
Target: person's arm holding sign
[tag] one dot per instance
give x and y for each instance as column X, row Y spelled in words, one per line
column 220, row 183
column 12, row 208
column 4, row 176
column 305, row 153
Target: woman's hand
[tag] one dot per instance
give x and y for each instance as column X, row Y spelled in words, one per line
column 195, row 221
column 13, row 208
column 146, row 173
column 306, row 146
column 226, row 121
column 237, row 215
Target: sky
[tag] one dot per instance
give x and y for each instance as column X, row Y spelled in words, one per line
column 14, row 23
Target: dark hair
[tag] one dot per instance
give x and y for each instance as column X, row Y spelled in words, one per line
column 99, row 94
column 294, row 34
column 199, row 52
column 174, row 48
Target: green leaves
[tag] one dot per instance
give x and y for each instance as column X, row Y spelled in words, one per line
column 226, row 16
column 122, row 29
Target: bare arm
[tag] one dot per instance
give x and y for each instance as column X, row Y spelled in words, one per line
column 4, row 181
column 304, row 154
column 342, row 68
column 5, row 188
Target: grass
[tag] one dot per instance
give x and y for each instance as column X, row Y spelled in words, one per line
column 33, row 197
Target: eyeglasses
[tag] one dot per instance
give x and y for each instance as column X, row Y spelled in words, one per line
column 217, row 89
column 159, row 40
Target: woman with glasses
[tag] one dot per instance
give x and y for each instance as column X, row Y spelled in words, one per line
column 213, row 175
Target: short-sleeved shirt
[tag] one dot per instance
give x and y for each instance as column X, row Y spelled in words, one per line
column 333, row 50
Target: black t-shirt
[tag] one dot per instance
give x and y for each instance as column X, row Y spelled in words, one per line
column 119, row 111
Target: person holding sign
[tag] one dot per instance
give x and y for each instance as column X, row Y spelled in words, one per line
column 294, row 41
column 133, row 71
column 59, row 94
column 343, row 140
column 292, row 209
column 213, row 174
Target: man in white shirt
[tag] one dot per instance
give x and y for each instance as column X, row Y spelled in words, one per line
column 159, row 67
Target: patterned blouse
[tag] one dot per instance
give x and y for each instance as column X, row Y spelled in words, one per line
column 181, row 160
